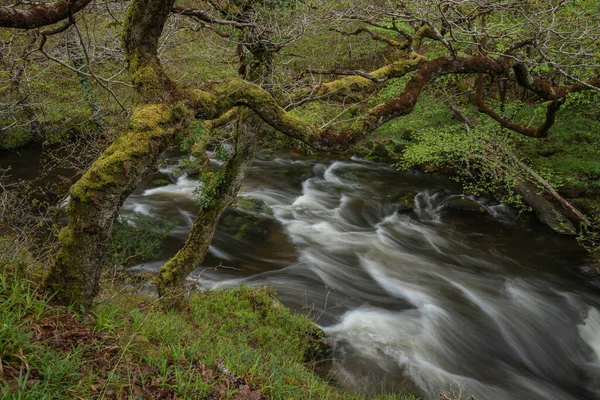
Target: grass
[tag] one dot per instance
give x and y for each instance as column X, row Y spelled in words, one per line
column 228, row 344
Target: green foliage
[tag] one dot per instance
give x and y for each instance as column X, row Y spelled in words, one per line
column 478, row 157
column 138, row 237
column 208, row 190
column 584, row 104
column 390, row 90
column 429, row 114
column 221, row 153
column 571, row 152
column 197, row 136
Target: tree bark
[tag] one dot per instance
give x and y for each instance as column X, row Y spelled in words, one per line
column 39, row 16
column 95, row 200
column 177, row 269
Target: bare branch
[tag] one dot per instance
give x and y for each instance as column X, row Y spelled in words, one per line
column 39, row 16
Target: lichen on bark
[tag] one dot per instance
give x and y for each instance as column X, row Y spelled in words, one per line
column 96, row 199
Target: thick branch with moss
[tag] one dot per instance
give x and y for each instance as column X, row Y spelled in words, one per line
column 97, row 197
column 237, row 92
column 218, row 192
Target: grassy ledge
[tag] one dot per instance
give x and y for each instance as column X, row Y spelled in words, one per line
column 239, row 344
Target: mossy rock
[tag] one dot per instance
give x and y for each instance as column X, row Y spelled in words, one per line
column 251, row 206
column 404, row 202
column 546, row 212
column 15, row 139
column 557, row 222
column 463, row 204
column 380, row 150
column 248, row 218
column 160, row 182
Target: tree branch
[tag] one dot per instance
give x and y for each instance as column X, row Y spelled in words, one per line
column 39, row 16
column 203, row 16
column 348, row 72
column 539, row 132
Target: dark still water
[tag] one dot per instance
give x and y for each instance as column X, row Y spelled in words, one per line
column 422, row 299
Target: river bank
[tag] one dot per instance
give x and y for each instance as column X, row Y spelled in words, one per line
column 237, row 344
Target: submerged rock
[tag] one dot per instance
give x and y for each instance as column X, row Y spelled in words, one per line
column 463, row 203
column 248, row 218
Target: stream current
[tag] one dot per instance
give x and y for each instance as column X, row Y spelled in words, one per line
column 429, row 299
column 425, row 300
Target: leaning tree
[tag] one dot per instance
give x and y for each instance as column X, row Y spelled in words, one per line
column 547, row 48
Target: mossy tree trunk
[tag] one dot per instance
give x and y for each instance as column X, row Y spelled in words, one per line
column 227, row 184
column 97, row 197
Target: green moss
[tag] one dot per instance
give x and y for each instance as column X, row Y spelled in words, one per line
column 66, row 237
column 145, row 117
column 123, row 155
column 160, row 182
column 400, row 67
column 202, row 101
column 236, row 92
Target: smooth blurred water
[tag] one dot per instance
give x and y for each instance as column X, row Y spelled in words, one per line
column 487, row 302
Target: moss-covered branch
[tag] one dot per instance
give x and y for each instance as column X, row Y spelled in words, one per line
column 41, row 15
column 222, row 187
column 237, row 92
column 353, row 85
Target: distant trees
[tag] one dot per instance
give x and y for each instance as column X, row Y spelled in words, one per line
column 546, row 49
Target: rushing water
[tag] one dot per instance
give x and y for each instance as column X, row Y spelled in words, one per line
column 422, row 300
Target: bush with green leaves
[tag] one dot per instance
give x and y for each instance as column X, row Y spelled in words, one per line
column 480, row 157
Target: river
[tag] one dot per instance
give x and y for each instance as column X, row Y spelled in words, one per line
column 425, row 299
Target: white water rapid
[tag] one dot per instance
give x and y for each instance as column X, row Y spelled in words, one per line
column 420, row 298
